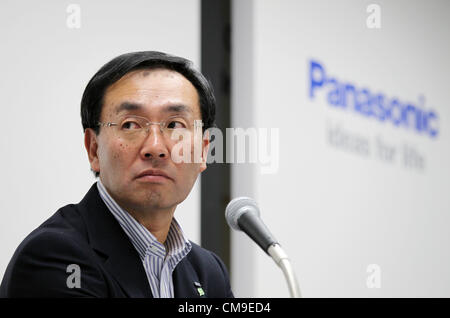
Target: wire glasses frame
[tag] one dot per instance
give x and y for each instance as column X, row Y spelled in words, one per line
column 132, row 127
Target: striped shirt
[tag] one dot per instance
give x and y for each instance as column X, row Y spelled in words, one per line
column 159, row 260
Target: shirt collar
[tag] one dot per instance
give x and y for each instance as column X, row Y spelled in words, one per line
column 142, row 239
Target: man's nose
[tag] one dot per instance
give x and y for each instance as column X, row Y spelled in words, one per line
column 155, row 146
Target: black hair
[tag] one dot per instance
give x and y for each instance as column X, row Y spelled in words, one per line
column 111, row 72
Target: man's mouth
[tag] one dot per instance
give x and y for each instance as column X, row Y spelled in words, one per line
column 153, row 175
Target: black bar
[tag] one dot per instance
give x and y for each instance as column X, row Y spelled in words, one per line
column 215, row 180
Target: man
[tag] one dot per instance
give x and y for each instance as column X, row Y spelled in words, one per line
column 140, row 113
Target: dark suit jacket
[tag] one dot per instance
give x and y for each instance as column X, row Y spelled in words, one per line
column 88, row 235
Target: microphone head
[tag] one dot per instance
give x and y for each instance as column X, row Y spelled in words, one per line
column 237, row 207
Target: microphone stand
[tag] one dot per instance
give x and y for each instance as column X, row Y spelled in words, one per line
column 282, row 260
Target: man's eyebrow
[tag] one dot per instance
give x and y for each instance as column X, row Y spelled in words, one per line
column 177, row 109
column 127, row 106
column 131, row 106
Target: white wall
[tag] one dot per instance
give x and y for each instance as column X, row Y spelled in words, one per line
column 45, row 68
column 336, row 210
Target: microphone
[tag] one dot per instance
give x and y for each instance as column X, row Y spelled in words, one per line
column 242, row 214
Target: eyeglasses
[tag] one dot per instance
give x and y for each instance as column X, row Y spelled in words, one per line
column 135, row 128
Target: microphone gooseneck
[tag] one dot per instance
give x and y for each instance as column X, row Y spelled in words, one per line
column 242, row 214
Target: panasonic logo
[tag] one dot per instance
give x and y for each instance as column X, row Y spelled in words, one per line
column 378, row 106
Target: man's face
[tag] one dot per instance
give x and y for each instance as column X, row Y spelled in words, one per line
column 120, row 160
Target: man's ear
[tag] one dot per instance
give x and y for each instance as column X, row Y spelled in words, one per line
column 91, row 145
column 205, row 144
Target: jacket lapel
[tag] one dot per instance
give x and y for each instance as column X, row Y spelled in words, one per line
column 107, row 237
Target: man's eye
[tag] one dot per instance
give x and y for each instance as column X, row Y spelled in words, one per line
column 130, row 125
column 175, row 124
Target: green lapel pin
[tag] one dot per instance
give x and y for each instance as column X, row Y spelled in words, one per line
column 201, row 292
